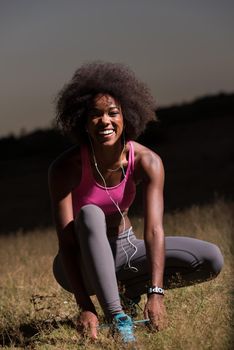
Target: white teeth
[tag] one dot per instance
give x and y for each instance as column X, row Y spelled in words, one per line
column 106, row 132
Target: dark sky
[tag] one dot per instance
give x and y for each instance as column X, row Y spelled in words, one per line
column 182, row 49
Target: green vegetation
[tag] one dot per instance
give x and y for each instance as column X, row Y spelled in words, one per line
column 35, row 313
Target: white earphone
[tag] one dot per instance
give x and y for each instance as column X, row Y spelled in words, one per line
column 128, row 259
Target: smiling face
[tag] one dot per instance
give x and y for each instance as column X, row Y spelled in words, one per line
column 105, row 120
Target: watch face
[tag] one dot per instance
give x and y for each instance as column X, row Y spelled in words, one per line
column 156, row 290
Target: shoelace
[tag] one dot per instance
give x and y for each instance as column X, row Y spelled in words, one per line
column 145, row 321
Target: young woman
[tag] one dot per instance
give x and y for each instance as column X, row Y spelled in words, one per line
column 92, row 185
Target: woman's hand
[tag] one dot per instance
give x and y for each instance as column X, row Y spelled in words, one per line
column 88, row 324
column 156, row 312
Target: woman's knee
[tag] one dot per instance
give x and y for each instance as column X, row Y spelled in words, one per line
column 214, row 260
column 59, row 274
column 88, row 213
column 91, row 218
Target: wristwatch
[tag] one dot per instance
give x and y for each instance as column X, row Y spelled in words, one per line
column 155, row 290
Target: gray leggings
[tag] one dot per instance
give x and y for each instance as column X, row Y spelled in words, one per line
column 102, row 260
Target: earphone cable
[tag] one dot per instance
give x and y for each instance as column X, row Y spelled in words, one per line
column 128, row 259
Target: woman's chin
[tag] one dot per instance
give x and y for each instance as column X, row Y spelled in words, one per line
column 107, row 140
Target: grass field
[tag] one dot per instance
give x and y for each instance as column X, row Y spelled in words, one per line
column 35, row 313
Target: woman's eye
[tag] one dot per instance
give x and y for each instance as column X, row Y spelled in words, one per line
column 114, row 113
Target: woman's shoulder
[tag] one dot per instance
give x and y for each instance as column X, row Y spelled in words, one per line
column 144, row 154
column 147, row 161
column 67, row 163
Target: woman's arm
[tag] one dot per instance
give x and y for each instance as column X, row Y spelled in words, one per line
column 153, row 217
column 61, row 201
column 153, row 180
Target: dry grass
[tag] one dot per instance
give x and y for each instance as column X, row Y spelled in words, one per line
column 35, row 313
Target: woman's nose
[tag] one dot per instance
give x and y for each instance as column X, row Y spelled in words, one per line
column 105, row 119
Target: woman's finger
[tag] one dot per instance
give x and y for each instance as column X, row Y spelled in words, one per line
column 146, row 315
column 154, row 320
column 93, row 329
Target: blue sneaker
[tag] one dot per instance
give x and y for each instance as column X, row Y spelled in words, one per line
column 124, row 326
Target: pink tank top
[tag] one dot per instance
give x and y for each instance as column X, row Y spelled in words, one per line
column 90, row 192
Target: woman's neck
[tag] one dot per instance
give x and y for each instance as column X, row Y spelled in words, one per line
column 108, row 156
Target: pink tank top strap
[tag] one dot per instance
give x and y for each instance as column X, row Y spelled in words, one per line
column 131, row 157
